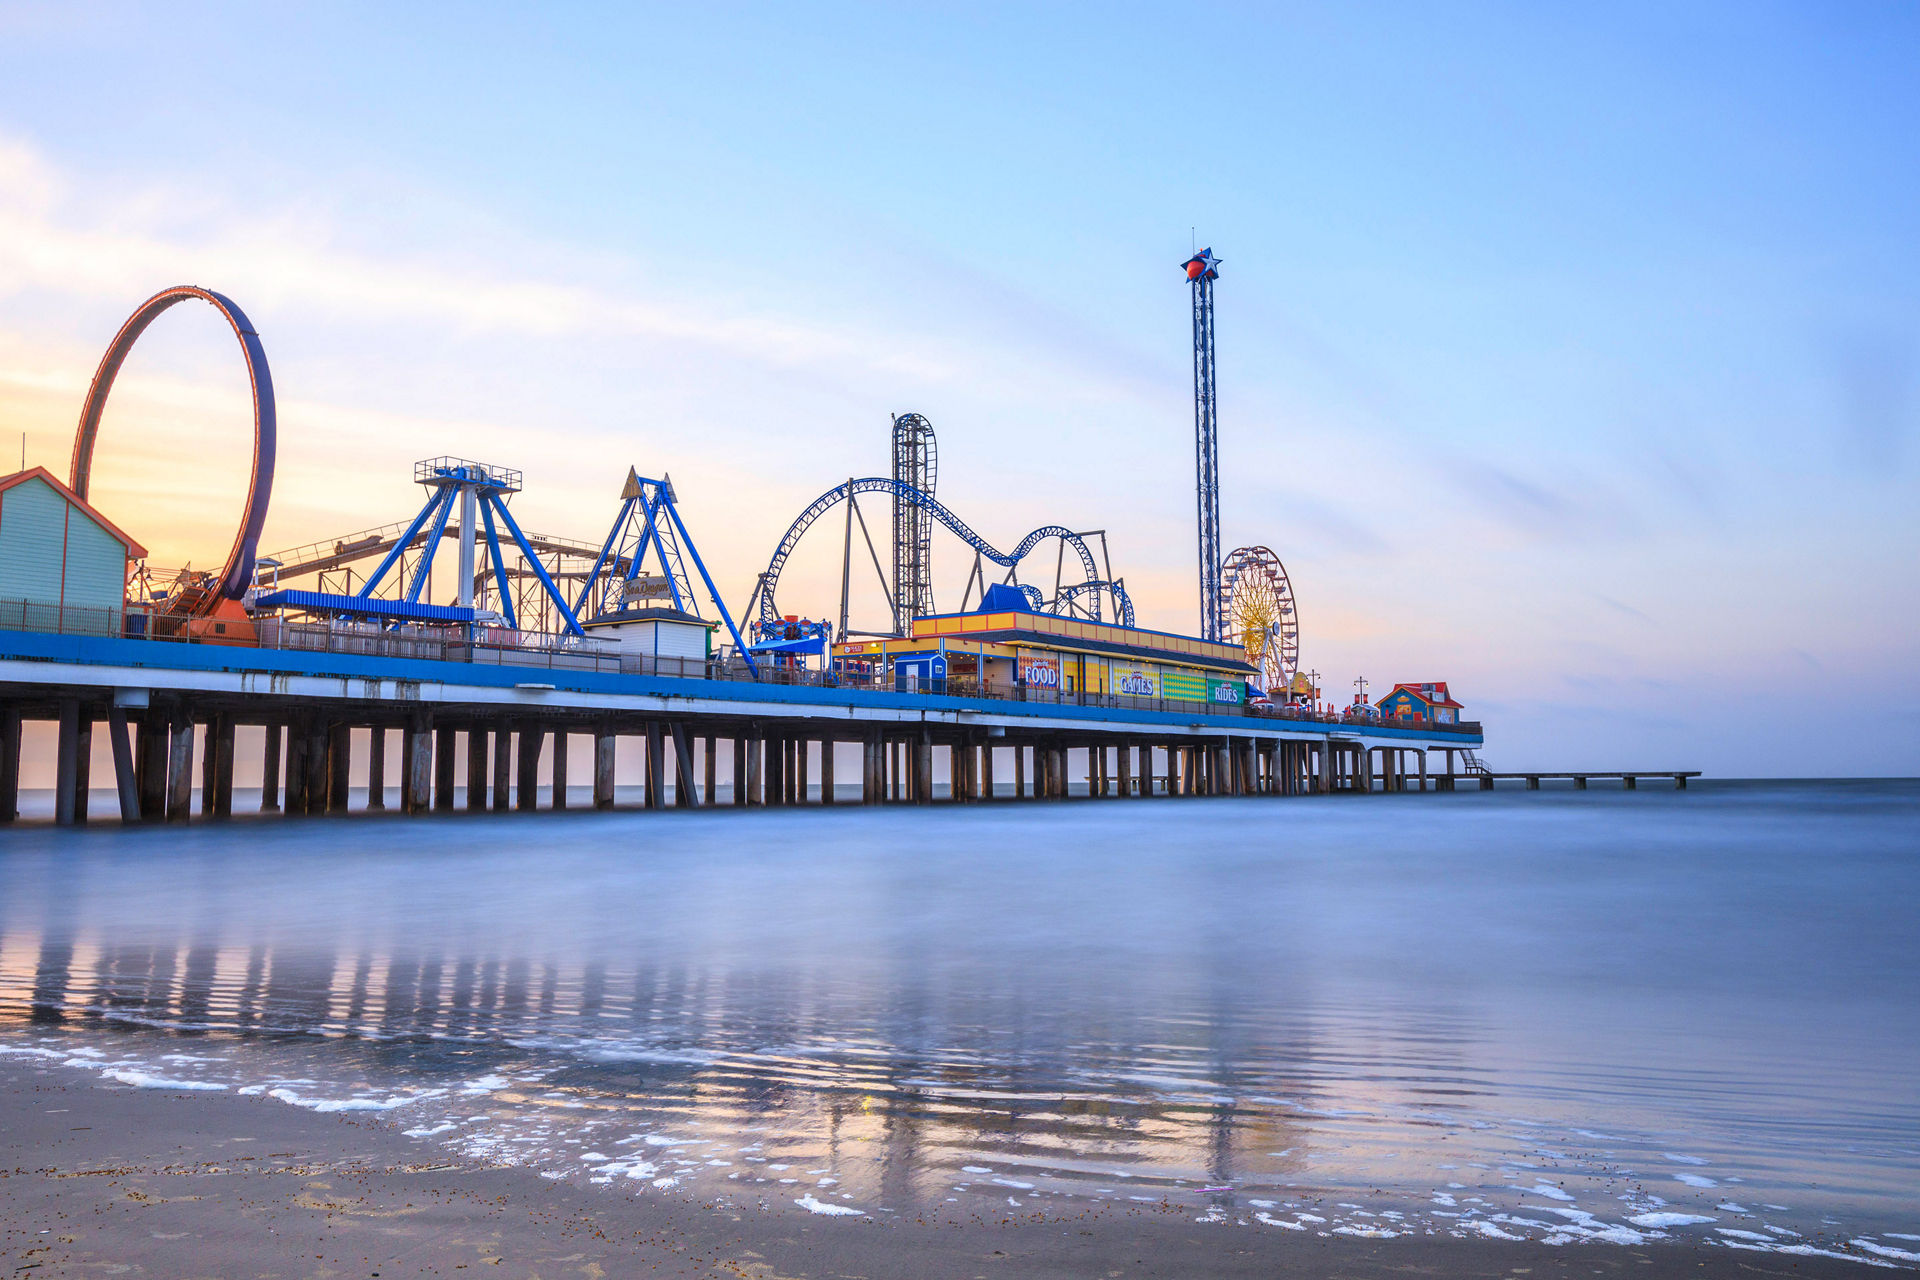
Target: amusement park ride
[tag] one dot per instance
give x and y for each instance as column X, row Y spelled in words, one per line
column 517, row 586
column 518, row 591
column 1246, row 594
column 915, row 511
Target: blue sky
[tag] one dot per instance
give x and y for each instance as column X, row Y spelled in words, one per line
column 1571, row 356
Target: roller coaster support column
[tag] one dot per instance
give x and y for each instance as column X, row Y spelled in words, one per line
column 467, row 512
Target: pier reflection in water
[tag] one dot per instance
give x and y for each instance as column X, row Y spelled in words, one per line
column 1433, row 1007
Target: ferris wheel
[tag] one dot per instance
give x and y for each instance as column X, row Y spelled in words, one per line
column 1256, row 604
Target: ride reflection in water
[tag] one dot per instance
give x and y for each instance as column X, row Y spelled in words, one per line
column 1603, row 1017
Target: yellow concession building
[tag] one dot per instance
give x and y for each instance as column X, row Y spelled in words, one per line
column 1004, row 650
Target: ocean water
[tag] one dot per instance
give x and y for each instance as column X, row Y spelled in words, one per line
column 1599, row 1016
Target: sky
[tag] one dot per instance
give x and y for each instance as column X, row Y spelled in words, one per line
column 1567, row 354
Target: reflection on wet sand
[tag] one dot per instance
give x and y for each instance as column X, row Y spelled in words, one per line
column 1505, row 1018
column 735, row 1055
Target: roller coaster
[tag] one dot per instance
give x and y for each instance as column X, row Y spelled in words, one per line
column 910, row 594
column 547, row 586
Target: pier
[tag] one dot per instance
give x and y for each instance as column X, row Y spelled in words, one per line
column 475, row 734
column 336, row 659
column 1580, row 778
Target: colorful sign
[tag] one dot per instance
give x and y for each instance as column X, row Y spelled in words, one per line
column 1183, row 684
column 1133, row 683
column 1229, row 691
column 1041, row 673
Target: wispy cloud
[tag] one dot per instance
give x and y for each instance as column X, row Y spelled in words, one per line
column 1875, row 373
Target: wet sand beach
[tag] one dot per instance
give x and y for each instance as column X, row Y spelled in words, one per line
column 1454, row 1033
column 103, row 1179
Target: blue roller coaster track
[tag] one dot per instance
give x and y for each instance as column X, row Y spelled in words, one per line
column 763, row 592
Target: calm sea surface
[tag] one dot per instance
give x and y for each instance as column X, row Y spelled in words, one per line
column 1601, row 1016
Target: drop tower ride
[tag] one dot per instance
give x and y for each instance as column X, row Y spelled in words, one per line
column 1202, row 270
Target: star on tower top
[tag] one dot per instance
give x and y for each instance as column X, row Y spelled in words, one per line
column 1202, row 266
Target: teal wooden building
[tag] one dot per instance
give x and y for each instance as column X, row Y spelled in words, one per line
column 63, row 565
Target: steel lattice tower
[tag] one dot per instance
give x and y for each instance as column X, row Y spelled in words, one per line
column 1202, row 270
column 914, row 463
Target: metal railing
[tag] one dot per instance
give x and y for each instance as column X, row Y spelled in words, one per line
column 499, row 647
column 67, row 620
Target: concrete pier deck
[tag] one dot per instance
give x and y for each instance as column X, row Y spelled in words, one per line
column 166, row 705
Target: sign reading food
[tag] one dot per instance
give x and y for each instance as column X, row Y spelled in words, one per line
column 1041, row 673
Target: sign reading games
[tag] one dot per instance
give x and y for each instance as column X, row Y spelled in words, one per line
column 1133, row 684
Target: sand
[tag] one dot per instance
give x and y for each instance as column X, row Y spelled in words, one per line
column 100, row 1179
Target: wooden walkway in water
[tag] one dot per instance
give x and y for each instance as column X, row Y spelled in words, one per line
column 1630, row 780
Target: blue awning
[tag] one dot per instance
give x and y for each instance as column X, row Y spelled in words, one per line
column 392, row 610
column 814, row 645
